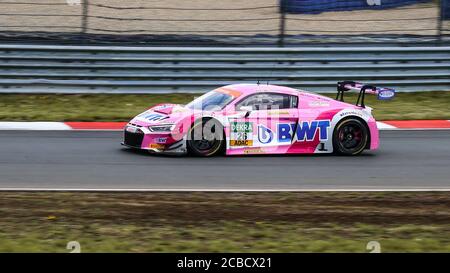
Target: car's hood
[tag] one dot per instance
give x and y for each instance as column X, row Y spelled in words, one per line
column 161, row 114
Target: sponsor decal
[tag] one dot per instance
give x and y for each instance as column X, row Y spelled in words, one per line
column 322, row 147
column 284, row 132
column 386, row 94
column 319, row 104
column 241, row 142
column 308, row 95
column 152, row 116
column 241, row 134
column 277, row 112
column 161, row 140
column 305, row 130
column 253, row 151
column 246, row 127
column 348, row 113
column 265, row 135
column 156, row 146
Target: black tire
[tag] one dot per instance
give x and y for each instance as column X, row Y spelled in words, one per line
column 350, row 137
column 206, row 137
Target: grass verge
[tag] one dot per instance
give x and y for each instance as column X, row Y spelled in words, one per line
column 103, row 107
column 225, row 222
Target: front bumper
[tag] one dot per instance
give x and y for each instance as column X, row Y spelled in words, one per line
column 139, row 138
column 133, row 140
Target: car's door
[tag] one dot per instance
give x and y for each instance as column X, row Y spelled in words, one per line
column 265, row 113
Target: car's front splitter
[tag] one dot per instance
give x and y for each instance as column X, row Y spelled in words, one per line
column 176, row 148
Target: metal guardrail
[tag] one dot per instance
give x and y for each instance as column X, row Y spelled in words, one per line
column 96, row 69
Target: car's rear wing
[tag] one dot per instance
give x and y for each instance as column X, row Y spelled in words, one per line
column 382, row 93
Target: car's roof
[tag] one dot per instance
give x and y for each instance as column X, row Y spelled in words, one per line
column 248, row 88
column 245, row 89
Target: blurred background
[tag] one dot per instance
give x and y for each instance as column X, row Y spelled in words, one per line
column 176, row 46
column 173, row 46
column 224, row 23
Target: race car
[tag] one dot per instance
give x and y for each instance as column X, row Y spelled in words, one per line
column 243, row 119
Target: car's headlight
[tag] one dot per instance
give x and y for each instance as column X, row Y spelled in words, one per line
column 161, row 128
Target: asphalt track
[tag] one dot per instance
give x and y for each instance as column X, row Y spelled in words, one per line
column 83, row 160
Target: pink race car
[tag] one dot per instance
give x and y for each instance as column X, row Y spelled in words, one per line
column 259, row 119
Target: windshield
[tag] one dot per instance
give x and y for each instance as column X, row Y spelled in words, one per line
column 210, row 101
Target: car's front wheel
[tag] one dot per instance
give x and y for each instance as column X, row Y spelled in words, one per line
column 206, row 138
column 350, row 137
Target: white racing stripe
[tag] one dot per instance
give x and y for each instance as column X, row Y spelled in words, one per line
column 61, row 126
column 48, row 126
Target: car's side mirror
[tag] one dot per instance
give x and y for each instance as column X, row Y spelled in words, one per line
column 247, row 109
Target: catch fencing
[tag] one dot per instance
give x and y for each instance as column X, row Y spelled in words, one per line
column 222, row 23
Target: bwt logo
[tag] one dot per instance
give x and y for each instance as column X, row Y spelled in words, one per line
column 73, row 2
column 305, row 131
column 265, row 135
column 374, row 2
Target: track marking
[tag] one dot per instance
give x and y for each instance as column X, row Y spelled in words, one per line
column 96, row 125
column 419, row 124
column 118, row 126
column 45, row 126
column 227, row 190
column 384, row 126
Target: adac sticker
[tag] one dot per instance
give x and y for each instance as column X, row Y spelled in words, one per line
column 245, row 142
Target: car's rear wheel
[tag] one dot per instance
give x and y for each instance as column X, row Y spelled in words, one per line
column 350, row 137
column 206, row 138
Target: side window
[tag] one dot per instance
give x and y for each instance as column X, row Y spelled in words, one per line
column 294, row 102
column 268, row 101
